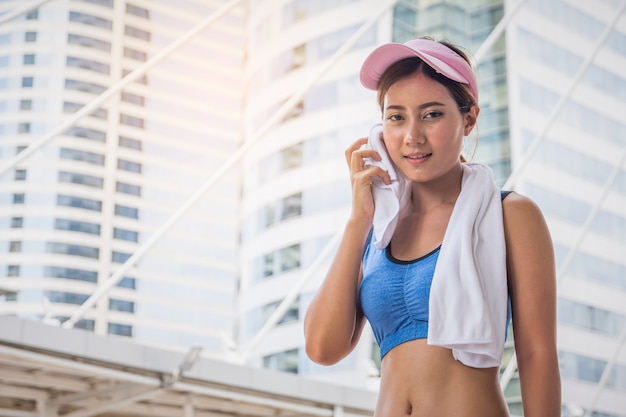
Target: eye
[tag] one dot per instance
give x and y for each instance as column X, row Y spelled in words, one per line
column 394, row 117
column 433, row 115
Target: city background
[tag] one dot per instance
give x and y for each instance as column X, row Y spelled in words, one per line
column 172, row 186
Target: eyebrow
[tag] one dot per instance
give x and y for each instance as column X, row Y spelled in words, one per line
column 420, row 107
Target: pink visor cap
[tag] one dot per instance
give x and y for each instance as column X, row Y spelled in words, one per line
column 438, row 56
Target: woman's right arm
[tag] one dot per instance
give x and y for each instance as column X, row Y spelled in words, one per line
column 333, row 322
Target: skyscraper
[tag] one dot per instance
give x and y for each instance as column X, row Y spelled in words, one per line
column 567, row 88
column 75, row 210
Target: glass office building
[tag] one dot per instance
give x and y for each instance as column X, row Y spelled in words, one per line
column 567, row 88
column 75, row 210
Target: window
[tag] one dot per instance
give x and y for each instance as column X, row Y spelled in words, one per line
column 26, row 104
column 591, row 318
column 133, row 98
column 84, row 86
column 290, row 258
column 281, row 210
column 19, row 149
column 79, row 202
column 120, row 329
column 30, row 37
column 84, row 156
column 137, row 33
column 80, row 324
column 124, row 211
column 83, row 132
column 291, row 157
column 18, row 198
column 15, row 246
column 87, row 19
column 125, row 188
column 13, row 270
column 29, row 59
column 281, row 260
column 27, row 82
column 135, row 54
column 121, row 305
column 71, row 273
column 34, row 15
column 125, row 119
column 71, row 107
column 129, row 166
column 125, row 142
column 125, row 235
column 119, row 257
column 83, row 179
column 137, row 11
column 141, row 80
column 20, row 175
column 77, row 226
column 583, row 368
column 71, row 249
column 106, row 3
column 127, row 282
column 17, row 222
column 23, row 128
column 88, row 64
column 286, row 361
column 66, row 297
column 89, row 42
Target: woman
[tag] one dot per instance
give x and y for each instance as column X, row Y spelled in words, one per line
column 449, row 260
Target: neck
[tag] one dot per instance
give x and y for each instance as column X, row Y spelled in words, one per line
column 427, row 196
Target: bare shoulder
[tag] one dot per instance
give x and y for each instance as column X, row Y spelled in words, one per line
column 523, row 218
column 530, row 253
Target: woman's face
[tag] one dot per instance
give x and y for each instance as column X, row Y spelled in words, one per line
column 423, row 128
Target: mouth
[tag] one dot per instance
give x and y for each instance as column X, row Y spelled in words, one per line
column 417, row 156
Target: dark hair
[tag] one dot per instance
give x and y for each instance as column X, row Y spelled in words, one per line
column 460, row 92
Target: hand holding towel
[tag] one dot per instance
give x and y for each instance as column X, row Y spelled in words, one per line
column 389, row 199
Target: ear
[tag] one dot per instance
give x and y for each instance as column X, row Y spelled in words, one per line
column 471, row 117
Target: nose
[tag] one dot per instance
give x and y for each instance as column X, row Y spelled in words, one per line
column 414, row 134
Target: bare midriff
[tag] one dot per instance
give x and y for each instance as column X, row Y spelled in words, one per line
column 419, row 380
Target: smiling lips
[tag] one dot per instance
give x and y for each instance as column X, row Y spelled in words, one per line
column 417, row 156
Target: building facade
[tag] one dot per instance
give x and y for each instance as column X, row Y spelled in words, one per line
column 567, row 87
column 75, row 210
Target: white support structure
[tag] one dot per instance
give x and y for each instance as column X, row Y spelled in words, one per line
column 117, row 87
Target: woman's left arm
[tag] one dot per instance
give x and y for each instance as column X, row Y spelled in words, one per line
column 532, row 286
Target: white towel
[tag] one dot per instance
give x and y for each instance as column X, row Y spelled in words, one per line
column 389, row 199
column 468, row 296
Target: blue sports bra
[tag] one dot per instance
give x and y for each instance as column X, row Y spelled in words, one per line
column 394, row 295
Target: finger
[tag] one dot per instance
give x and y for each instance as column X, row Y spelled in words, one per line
column 354, row 147
column 369, row 175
